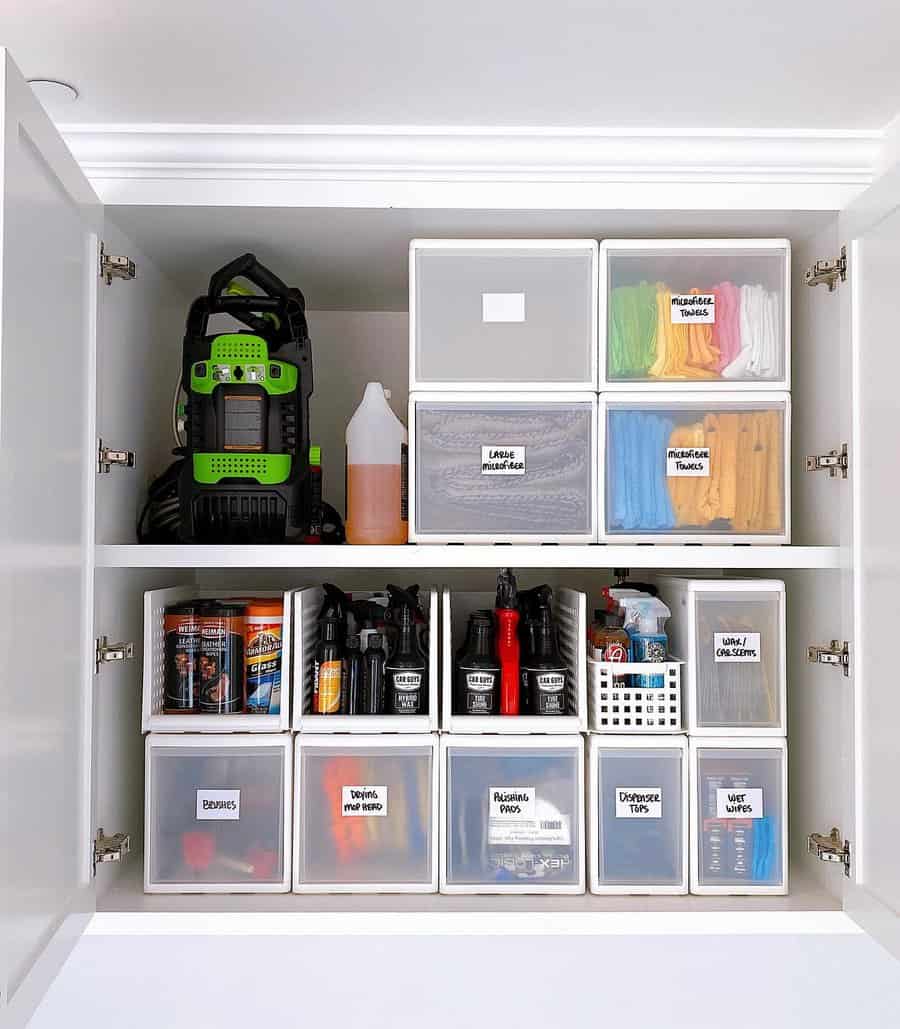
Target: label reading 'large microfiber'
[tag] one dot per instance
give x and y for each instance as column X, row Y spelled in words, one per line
column 502, row 459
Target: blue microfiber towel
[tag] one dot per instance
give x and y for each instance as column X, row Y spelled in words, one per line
column 636, row 478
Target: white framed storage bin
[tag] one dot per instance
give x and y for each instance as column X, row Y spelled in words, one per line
column 512, row 814
column 570, row 615
column 637, row 815
column 739, row 816
column 307, row 603
column 493, row 314
column 695, row 468
column 620, row 699
column 217, row 814
column 366, row 814
column 158, row 667
column 731, row 634
column 502, row 468
column 705, row 314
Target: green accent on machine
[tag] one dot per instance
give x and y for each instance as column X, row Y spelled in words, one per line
column 240, row 358
column 268, row 469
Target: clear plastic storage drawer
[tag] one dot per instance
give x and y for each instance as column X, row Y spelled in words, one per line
column 513, row 813
column 503, row 314
column 365, row 817
column 696, row 468
column 738, row 816
column 494, row 469
column 709, row 313
column 638, row 815
column 217, row 814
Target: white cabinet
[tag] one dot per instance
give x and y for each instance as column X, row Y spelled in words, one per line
column 71, row 572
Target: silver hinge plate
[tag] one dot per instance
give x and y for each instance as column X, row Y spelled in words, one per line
column 115, row 266
column 110, row 848
column 107, row 457
column 837, row 653
column 835, row 462
column 106, row 653
column 828, row 273
column 832, row 847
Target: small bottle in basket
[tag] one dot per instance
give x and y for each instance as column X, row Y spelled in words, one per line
column 609, row 641
column 645, row 621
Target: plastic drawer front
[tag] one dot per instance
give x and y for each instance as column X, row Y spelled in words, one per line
column 494, row 469
column 217, row 814
column 739, row 816
column 709, row 314
column 365, row 817
column 495, row 315
column 638, row 815
column 513, row 812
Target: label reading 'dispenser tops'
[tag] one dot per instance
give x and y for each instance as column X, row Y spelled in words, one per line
column 517, row 817
column 502, row 459
column 693, row 307
column 739, row 803
column 736, row 646
column 687, row 461
column 638, row 802
column 364, row 801
column 222, row 805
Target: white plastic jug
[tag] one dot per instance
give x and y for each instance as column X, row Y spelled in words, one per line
column 376, row 472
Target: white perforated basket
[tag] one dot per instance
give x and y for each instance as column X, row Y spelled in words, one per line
column 615, row 705
column 153, row 717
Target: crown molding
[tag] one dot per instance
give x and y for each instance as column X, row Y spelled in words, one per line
column 216, row 163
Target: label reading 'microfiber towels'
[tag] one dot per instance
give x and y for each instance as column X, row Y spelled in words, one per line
column 516, row 816
column 687, row 462
column 693, row 307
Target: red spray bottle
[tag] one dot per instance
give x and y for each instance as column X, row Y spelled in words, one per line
column 507, row 614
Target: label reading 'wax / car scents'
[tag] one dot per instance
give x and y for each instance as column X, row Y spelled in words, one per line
column 688, row 462
column 739, row 803
column 693, row 307
column 218, row 805
column 638, row 802
column 736, row 646
column 502, row 459
column 364, row 801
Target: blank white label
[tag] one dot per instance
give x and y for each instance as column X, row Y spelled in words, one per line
column 739, row 803
column 503, row 307
column 512, row 802
column 364, row 801
column 693, row 307
column 502, row 459
column 687, row 462
column 638, row 802
column 218, row 805
column 736, row 647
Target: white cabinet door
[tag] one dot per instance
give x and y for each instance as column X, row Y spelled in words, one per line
column 50, row 219
column 871, row 231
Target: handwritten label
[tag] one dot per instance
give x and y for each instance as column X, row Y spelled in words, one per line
column 502, row 459
column 690, row 462
column 638, row 802
column 739, row 803
column 693, row 307
column 511, row 802
column 364, row 801
column 503, row 307
column 516, row 816
column 218, row 805
column 736, row 647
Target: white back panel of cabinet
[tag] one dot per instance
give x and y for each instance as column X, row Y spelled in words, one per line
column 50, row 227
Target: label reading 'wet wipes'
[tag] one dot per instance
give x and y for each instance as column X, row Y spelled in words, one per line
column 364, row 801
column 502, row 459
column 687, row 462
column 736, row 647
column 693, row 307
column 739, row 803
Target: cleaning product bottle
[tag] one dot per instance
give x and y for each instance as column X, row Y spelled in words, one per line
column 607, row 639
column 376, row 472
column 477, row 669
column 373, row 695
column 547, row 674
column 354, row 678
column 529, row 605
column 645, row 619
column 507, row 615
column 316, row 514
column 327, row 666
column 406, row 673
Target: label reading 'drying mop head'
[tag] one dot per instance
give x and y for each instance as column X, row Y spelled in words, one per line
column 739, row 803
column 502, row 459
column 364, row 801
column 638, row 802
column 693, row 307
column 218, row 805
column 516, row 816
column 687, row 461
column 736, row 646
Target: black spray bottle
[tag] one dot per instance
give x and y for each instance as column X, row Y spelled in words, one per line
column 545, row 673
column 478, row 669
column 406, row 673
column 353, row 685
column 373, row 694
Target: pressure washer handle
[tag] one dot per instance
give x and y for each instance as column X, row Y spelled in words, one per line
column 247, row 267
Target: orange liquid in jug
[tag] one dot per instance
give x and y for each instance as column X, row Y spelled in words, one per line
column 373, row 504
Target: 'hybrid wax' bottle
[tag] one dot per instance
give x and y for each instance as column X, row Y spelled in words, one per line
column 405, row 672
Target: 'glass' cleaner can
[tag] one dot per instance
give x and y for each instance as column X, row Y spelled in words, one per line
column 262, row 652
column 181, row 628
column 221, row 658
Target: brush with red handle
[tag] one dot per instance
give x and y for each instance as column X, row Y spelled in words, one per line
column 507, row 614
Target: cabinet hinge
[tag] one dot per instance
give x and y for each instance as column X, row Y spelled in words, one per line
column 835, row 462
column 115, row 266
column 837, row 653
column 828, row 273
column 832, row 847
column 107, row 457
column 109, row 848
column 106, row 653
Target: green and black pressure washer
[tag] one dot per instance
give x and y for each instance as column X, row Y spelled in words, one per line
column 245, row 477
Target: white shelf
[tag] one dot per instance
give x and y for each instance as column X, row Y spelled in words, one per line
column 452, row 556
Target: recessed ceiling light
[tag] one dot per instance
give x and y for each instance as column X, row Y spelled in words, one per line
column 53, row 93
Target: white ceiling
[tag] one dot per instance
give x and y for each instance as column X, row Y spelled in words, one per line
column 719, row 63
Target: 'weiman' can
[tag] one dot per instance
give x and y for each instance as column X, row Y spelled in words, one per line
column 221, row 658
